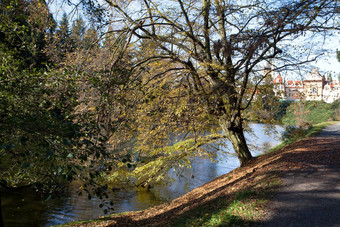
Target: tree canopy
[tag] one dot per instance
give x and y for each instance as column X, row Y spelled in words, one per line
column 37, row 130
column 200, row 63
column 43, row 143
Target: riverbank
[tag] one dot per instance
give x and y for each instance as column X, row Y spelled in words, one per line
column 239, row 197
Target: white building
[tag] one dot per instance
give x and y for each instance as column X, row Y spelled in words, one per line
column 314, row 87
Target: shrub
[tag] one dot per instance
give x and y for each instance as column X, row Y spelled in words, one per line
column 336, row 107
column 293, row 133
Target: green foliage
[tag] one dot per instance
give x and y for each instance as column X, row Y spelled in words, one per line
column 37, row 131
column 153, row 165
column 311, row 112
column 266, row 108
column 281, row 110
column 104, row 106
column 22, row 31
column 336, row 106
column 40, row 141
column 62, row 43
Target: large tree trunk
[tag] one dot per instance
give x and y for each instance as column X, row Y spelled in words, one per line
column 234, row 131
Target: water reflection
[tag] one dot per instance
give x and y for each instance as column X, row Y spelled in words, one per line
column 24, row 208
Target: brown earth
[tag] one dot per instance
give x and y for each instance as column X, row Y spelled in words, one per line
column 307, row 154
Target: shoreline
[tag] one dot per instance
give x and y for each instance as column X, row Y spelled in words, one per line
column 254, row 185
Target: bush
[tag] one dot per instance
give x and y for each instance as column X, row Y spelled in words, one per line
column 282, row 109
column 293, row 133
column 336, row 107
column 337, row 114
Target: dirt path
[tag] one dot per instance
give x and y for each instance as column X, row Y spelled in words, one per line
column 311, row 197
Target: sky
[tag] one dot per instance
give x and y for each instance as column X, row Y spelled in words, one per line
column 327, row 63
column 58, row 7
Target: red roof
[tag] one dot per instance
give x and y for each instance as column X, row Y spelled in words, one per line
column 296, row 83
column 278, row 80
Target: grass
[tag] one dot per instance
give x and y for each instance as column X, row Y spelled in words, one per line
column 245, row 207
column 200, row 216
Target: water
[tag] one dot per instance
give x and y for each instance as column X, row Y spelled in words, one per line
column 25, row 208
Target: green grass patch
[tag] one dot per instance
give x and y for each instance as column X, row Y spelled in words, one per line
column 244, row 208
column 214, row 213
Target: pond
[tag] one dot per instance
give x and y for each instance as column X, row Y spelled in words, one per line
column 24, row 208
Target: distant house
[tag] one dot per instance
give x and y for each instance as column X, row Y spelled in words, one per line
column 294, row 90
column 314, row 87
column 279, row 87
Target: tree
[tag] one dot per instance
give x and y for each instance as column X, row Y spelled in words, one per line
column 99, row 69
column 37, row 129
column 62, row 42
column 265, row 106
column 23, row 29
column 42, row 143
column 214, row 52
column 45, row 138
column 37, row 132
column 91, row 39
column 77, row 32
